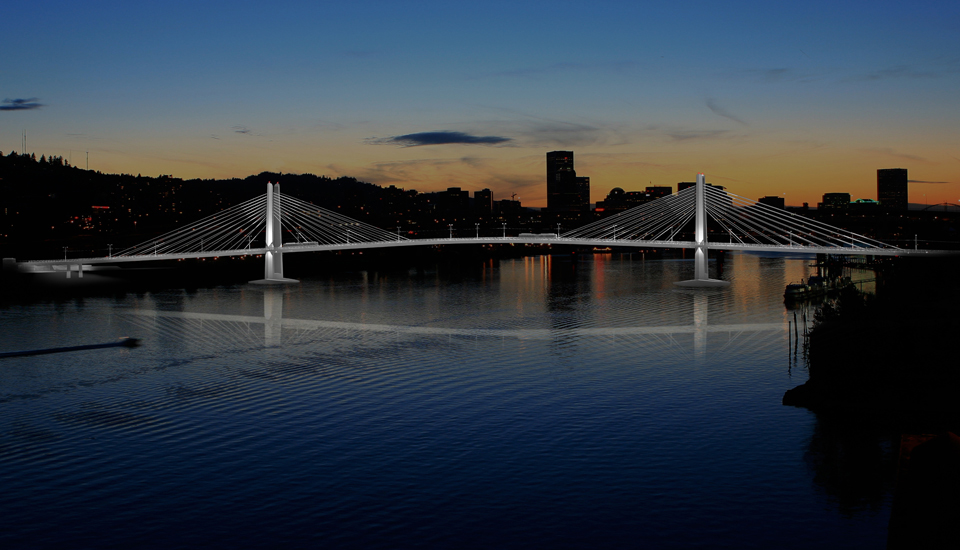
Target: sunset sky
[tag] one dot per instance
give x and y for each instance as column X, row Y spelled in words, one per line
column 764, row 99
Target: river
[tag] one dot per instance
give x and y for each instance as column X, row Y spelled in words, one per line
column 538, row 402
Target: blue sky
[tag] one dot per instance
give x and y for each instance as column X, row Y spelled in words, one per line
column 800, row 99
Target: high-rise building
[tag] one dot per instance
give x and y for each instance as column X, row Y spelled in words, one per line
column 892, row 188
column 565, row 191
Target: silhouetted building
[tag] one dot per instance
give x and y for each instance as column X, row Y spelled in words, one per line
column 454, row 201
column 864, row 206
column 774, row 201
column 483, row 202
column 508, row 211
column 892, row 188
column 658, row 191
column 619, row 200
column 565, row 191
column 835, row 201
column 684, row 184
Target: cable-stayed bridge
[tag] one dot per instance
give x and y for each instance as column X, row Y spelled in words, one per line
column 272, row 225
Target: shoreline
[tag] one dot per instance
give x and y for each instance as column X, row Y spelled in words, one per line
column 891, row 354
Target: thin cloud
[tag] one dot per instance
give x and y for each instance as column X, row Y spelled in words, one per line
column 438, row 138
column 535, row 131
column 720, row 111
column 242, row 130
column 922, row 181
column 688, row 135
column 899, row 72
column 774, row 75
column 561, row 133
column 20, row 104
column 771, row 75
column 764, row 75
column 890, row 152
column 528, row 72
column 474, row 162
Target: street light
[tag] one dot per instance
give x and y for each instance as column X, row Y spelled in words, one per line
column 398, row 233
column 64, row 253
column 109, row 250
column 614, row 231
column 558, row 230
column 478, row 230
column 504, row 230
column 450, row 225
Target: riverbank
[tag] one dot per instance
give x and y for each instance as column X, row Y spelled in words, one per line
column 890, row 354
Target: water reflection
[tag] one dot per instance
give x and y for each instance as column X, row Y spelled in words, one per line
column 557, row 400
column 581, row 299
column 700, row 326
column 854, row 461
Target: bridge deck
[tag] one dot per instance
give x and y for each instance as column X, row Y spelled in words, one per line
column 566, row 241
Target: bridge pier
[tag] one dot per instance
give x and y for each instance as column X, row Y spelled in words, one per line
column 273, row 257
column 70, row 268
column 701, row 276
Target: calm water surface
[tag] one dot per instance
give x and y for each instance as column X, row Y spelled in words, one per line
column 542, row 402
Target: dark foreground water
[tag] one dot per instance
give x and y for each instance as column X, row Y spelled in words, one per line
column 533, row 403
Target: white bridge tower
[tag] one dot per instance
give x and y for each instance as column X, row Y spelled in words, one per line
column 701, row 276
column 273, row 257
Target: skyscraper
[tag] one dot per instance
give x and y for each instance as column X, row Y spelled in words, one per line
column 892, row 188
column 565, row 191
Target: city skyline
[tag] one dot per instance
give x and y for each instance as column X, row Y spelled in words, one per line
column 796, row 102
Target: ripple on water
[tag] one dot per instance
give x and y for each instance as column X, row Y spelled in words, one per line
column 507, row 412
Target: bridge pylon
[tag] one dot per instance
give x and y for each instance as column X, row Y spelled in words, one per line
column 702, row 277
column 273, row 257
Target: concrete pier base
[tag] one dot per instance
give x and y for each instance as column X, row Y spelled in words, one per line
column 278, row 281
column 703, row 283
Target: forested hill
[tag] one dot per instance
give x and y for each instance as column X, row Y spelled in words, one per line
column 46, row 199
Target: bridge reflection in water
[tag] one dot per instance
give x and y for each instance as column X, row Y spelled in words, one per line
column 273, row 330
